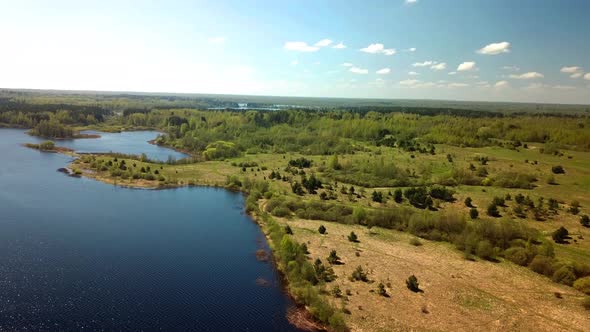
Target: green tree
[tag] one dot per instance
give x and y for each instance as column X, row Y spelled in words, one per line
column 333, row 258
column 352, row 237
column 412, row 284
column 473, row 213
column 322, row 229
column 468, row 202
column 381, row 289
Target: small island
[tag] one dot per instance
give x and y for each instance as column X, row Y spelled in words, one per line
column 49, row 146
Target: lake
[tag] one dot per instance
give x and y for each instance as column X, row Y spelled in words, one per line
column 80, row 254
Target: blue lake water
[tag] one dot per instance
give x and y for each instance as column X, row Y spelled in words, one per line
column 79, row 254
column 129, row 142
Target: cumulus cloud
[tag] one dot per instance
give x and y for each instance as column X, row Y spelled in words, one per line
column 501, row 84
column 576, row 75
column 300, row 47
column 340, row 45
column 294, row 63
column 413, row 73
column 412, row 49
column 570, row 70
column 424, row 64
column 383, row 71
column 378, row 49
column 410, row 2
column 323, row 43
column 439, row 66
column 564, row 87
column 358, row 70
column 347, row 64
column 458, row 85
column 216, row 40
column 495, row 48
column 527, row 76
column 466, row 66
column 511, row 68
column 453, row 73
column 409, row 82
column 587, row 77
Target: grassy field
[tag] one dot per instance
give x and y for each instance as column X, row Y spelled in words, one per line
column 459, row 294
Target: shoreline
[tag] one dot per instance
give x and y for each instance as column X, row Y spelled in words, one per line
column 299, row 316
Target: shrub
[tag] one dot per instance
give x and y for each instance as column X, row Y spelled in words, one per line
column 564, row 275
column 542, row 265
column 574, row 207
column 322, row 229
column 583, row 285
column 359, row 274
column 442, row 193
column 493, row 210
column 517, row 255
column 336, row 292
column 397, row 196
column 381, row 289
column 484, row 249
column 280, row 211
column 473, row 213
column 468, row 202
column 377, row 196
column 558, row 169
column 288, row 230
column 585, row 220
column 352, row 237
column 333, row 257
column 412, row 284
column 415, row 242
column 560, row 235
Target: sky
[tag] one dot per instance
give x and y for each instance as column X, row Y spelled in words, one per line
column 501, row 50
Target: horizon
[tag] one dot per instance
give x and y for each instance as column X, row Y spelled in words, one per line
column 394, row 50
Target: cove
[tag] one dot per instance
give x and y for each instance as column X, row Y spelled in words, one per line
column 80, row 254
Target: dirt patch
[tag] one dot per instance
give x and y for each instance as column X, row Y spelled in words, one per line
column 459, row 295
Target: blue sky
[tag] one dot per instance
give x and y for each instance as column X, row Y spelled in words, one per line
column 526, row 50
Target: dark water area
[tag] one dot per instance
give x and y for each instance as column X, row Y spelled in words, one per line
column 80, row 254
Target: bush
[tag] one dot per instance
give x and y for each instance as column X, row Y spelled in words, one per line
column 398, row 196
column 377, row 196
column 493, row 210
column 280, row 211
column 468, row 202
column 322, row 229
column 558, row 169
column 381, row 289
column 473, row 213
column 583, row 285
column 564, row 275
column 560, row 235
column 484, row 250
column 352, row 237
column 333, row 257
column 288, row 230
column 412, row 284
column 359, row 274
column 415, row 242
column 517, row 255
column 442, row 193
column 585, row 220
column 542, row 265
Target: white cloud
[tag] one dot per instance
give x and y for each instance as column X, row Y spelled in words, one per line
column 411, row 49
column 378, row 48
column 453, row 73
column 347, row 64
column 413, row 73
column 323, row 43
column 358, row 70
column 383, row 71
column 300, row 47
column 570, row 70
column 501, row 84
column 466, row 66
column 511, row 68
column 564, row 87
column 409, row 82
column 458, row 85
column 527, row 76
column 439, row 66
column 411, row 2
column 587, row 77
column 576, row 75
column 216, row 40
column 495, row 48
column 340, row 45
column 424, row 64
column 294, row 63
